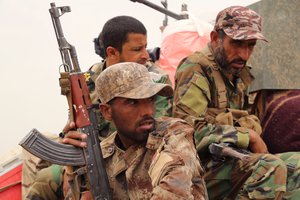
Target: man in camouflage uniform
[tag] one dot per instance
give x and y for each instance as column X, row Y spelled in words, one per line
column 122, row 38
column 211, row 94
column 146, row 158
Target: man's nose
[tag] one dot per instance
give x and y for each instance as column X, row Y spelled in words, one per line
column 244, row 53
column 145, row 54
column 148, row 108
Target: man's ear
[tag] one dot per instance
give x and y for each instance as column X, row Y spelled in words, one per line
column 112, row 53
column 214, row 37
column 106, row 111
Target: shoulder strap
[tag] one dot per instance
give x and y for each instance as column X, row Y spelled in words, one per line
column 211, row 70
column 221, row 89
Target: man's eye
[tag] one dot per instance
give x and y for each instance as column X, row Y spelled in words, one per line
column 139, row 49
column 131, row 101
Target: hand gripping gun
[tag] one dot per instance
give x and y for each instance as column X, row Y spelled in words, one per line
column 84, row 162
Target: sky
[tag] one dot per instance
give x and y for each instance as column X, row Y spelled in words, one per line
column 30, row 59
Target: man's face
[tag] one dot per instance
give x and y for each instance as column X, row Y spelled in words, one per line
column 232, row 55
column 133, row 118
column 134, row 50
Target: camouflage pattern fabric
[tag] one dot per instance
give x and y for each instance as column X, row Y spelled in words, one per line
column 240, row 23
column 167, row 167
column 47, row 185
column 279, row 112
column 262, row 176
column 163, row 104
column 131, row 80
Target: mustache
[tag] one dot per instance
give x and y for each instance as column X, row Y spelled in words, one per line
column 238, row 60
column 146, row 119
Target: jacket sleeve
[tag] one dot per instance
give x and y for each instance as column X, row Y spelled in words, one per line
column 175, row 171
column 191, row 99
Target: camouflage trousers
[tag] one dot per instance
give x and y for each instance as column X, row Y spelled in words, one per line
column 31, row 167
column 263, row 176
column 48, row 184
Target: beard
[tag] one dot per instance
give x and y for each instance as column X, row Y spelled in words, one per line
column 222, row 59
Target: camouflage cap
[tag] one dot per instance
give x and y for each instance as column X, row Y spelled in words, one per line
column 128, row 80
column 240, row 23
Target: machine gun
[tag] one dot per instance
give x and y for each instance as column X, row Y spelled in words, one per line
column 164, row 9
column 86, row 162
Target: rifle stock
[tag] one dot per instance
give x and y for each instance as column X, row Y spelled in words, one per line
column 74, row 87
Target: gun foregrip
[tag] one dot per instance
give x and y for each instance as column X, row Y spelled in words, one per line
column 54, row 152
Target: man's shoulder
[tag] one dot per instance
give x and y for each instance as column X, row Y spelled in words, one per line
column 165, row 125
column 197, row 60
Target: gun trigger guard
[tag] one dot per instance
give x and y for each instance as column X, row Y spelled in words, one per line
column 80, row 171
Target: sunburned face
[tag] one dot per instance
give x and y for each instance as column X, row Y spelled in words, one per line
column 133, row 118
column 134, row 50
column 232, row 55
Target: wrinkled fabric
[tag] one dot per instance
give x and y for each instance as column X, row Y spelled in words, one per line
column 167, row 167
column 47, row 184
column 279, row 112
column 261, row 176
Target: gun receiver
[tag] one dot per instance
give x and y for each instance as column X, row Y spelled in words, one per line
column 73, row 85
column 161, row 9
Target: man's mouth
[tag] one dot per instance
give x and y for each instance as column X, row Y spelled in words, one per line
column 238, row 65
column 146, row 124
column 142, row 62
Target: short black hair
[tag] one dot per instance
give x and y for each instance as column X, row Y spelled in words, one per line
column 115, row 33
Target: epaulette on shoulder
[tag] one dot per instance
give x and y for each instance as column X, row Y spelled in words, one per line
column 108, row 146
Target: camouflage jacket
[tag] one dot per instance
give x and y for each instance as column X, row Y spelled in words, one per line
column 167, row 167
column 203, row 94
column 163, row 104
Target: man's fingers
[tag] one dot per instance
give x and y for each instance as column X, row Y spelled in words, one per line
column 74, row 142
column 75, row 138
column 68, row 127
column 75, row 135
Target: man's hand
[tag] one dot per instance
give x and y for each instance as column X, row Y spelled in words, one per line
column 73, row 137
column 256, row 144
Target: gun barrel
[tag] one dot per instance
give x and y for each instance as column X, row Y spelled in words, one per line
column 160, row 9
column 67, row 51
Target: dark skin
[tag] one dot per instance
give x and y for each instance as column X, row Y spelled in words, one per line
column 133, row 50
column 232, row 56
column 134, row 120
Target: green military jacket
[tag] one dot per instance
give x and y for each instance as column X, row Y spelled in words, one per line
column 203, row 94
column 163, row 104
